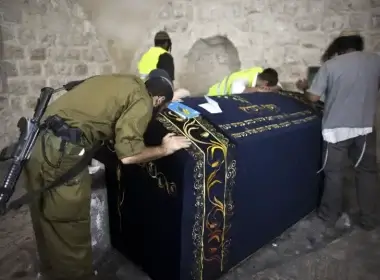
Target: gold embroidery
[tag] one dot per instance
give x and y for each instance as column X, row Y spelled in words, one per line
column 295, row 95
column 236, row 98
column 260, row 108
column 212, row 188
column 265, row 119
column 162, row 181
column 261, row 129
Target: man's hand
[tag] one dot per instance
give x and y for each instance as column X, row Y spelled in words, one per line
column 172, row 143
column 179, row 94
column 302, row 84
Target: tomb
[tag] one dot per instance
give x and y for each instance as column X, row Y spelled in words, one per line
column 250, row 174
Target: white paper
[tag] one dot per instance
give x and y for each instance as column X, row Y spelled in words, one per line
column 211, row 106
column 211, row 109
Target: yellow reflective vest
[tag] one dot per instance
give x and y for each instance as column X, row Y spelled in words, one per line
column 149, row 60
column 224, row 87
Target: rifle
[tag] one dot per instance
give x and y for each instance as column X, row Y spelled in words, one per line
column 29, row 132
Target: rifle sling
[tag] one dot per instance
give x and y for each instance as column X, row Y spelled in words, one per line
column 70, row 174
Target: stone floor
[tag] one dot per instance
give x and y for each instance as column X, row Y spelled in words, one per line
column 306, row 251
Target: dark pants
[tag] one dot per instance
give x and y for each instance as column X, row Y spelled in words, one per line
column 339, row 156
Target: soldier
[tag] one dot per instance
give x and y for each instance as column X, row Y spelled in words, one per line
column 112, row 107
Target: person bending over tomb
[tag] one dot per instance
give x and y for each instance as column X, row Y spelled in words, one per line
column 61, row 217
column 349, row 78
column 267, row 81
column 236, row 82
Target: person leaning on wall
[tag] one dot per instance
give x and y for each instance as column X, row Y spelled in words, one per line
column 159, row 57
column 349, row 79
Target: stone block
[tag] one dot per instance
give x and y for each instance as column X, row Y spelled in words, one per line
column 177, row 10
column 305, row 24
column 7, row 33
column 31, row 101
column 12, row 11
column 289, row 8
column 359, row 21
column 59, row 54
column 312, row 8
column 79, row 39
column 36, row 8
column 176, row 26
column 93, row 69
column 106, row 69
column 26, row 35
column 81, row 70
column 330, row 24
column 373, row 43
column 12, row 51
column 376, row 47
column 337, row 7
column 56, row 54
column 73, row 54
column 35, row 86
column 95, row 54
column 208, row 12
column 58, row 69
column 3, row 102
column 30, row 68
column 18, row 87
column 38, row 54
column 375, row 21
column 292, row 55
column 47, row 39
column 375, row 3
column 9, row 68
column 16, row 103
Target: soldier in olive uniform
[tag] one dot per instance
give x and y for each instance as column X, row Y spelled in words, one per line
column 113, row 107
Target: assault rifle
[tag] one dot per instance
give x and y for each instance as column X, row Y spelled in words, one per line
column 29, row 131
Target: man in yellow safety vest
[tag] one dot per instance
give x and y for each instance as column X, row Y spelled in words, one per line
column 236, row 82
column 158, row 56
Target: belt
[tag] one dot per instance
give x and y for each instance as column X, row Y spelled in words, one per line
column 61, row 129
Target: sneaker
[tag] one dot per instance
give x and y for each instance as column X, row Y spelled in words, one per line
column 327, row 220
column 344, row 222
column 367, row 226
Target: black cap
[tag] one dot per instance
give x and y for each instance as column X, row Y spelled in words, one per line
column 159, row 82
column 162, row 35
column 160, row 73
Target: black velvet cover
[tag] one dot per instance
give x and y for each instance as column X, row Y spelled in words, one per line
column 249, row 175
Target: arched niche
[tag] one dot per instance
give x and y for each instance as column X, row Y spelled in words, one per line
column 207, row 62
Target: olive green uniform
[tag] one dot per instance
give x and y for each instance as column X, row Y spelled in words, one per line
column 116, row 107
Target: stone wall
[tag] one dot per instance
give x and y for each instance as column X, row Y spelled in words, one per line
column 43, row 43
column 286, row 34
column 48, row 42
